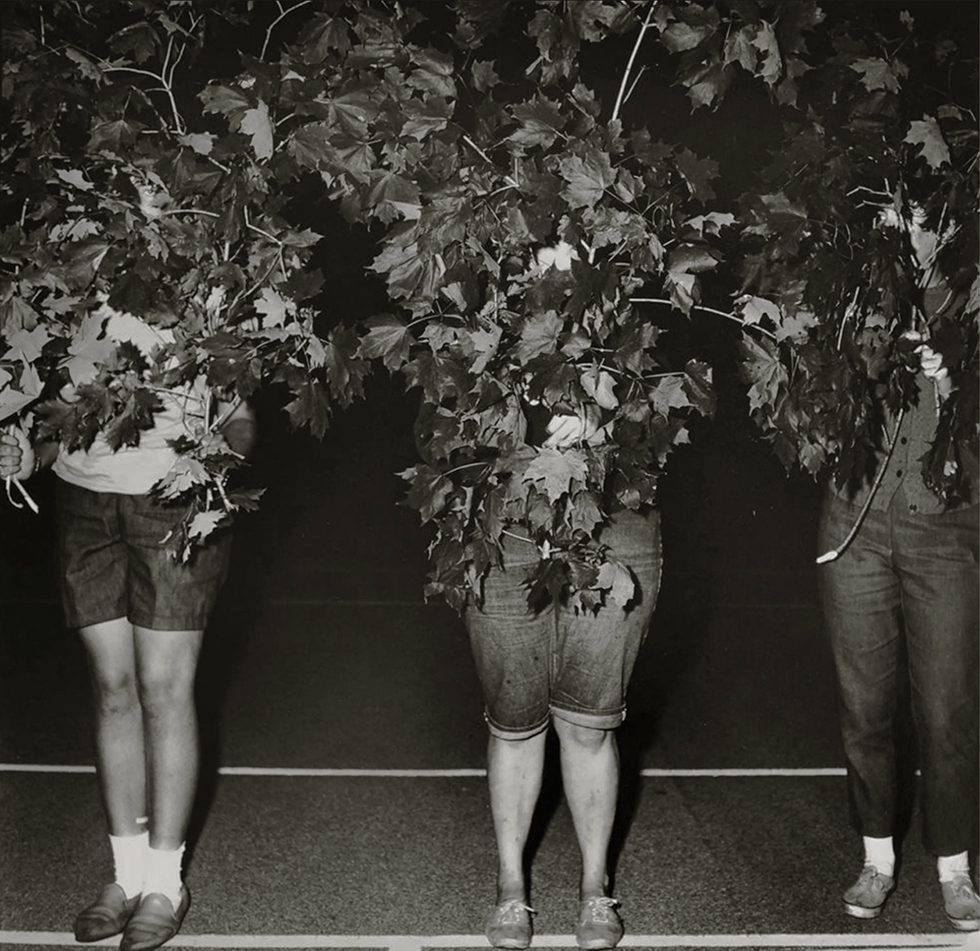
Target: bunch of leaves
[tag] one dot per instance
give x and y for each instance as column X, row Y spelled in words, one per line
column 878, row 152
column 122, row 195
column 465, row 168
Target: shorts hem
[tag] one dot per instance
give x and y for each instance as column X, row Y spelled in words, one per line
column 169, row 624
column 595, row 721
column 520, row 733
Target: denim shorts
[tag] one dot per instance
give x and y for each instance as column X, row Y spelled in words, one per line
column 556, row 662
column 113, row 563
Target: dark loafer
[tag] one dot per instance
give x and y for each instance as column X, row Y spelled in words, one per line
column 106, row 916
column 155, row 921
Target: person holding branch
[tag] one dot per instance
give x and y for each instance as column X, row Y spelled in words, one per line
column 141, row 616
column 908, row 577
column 561, row 667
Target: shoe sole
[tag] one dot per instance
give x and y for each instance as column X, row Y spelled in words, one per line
column 510, row 944
column 859, row 911
column 964, row 924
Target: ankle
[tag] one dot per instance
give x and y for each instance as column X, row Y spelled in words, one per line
column 952, row 866
column 163, row 873
column 129, row 861
column 510, row 890
column 880, row 852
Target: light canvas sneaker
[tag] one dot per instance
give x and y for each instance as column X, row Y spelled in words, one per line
column 598, row 924
column 866, row 897
column 509, row 924
column 962, row 904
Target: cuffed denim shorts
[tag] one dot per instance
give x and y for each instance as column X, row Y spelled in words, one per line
column 113, row 563
column 556, row 662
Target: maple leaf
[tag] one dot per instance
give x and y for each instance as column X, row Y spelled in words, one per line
column 711, row 223
column 618, row 580
column 429, row 491
column 540, row 122
column 680, row 36
column 229, row 101
column 424, row 118
column 88, row 351
column 27, row 345
column 17, row 314
column 204, row 523
column 739, row 48
column 484, row 75
column 796, row 326
column 765, row 41
column 14, row 399
column 555, row 470
column 485, row 344
column 753, row 309
column 185, row 474
column 682, row 288
column 81, row 261
column 587, row 177
column 388, row 338
column 256, row 123
column 311, row 406
column 761, row 368
column 708, row 85
column 669, row 393
column 538, row 335
column 273, row 307
column 599, row 385
column 876, row 74
column 698, row 386
column 75, row 177
column 697, row 173
column 114, row 135
column 584, row 513
column 200, row 142
column 927, row 134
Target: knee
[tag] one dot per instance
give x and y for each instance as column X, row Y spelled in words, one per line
column 162, row 692
column 115, row 693
column 584, row 738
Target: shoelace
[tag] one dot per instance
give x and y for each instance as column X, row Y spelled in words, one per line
column 869, row 873
column 962, row 887
column 511, row 911
column 599, row 909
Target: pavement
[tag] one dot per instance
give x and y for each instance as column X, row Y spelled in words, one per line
column 343, row 802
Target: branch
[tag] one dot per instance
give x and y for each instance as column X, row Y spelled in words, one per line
column 178, row 122
column 32, row 505
column 835, row 553
column 507, row 178
column 620, row 97
column 272, row 25
column 708, row 310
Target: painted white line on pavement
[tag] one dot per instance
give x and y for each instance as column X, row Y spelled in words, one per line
column 394, row 773
column 425, row 773
column 817, row 771
column 825, row 942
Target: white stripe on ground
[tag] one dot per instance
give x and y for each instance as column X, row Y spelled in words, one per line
column 428, row 773
column 825, row 942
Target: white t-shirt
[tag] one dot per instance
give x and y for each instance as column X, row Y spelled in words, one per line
column 133, row 470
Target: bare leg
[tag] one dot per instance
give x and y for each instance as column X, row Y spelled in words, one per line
column 590, row 774
column 118, row 723
column 514, row 770
column 167, row 664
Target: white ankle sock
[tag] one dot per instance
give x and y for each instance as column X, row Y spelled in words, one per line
column 129, row 857
column 881, row 854
column 949, row 866
column 163, row 873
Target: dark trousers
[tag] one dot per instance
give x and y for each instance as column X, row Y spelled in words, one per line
column 913, row 578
